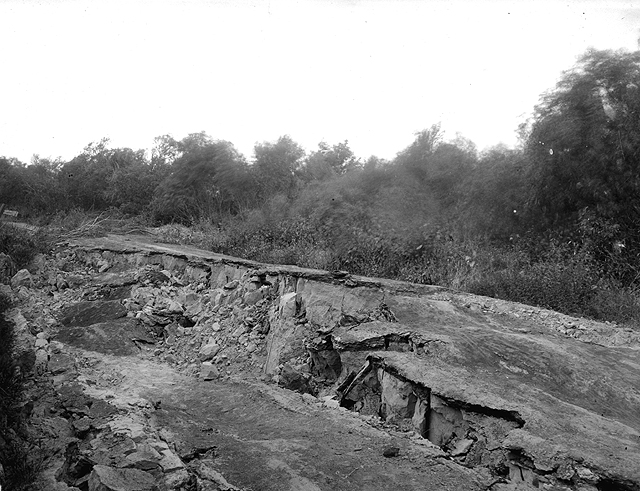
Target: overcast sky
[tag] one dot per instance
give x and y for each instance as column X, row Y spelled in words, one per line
column 372, row 72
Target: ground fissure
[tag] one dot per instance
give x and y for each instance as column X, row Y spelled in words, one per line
column 172, row 368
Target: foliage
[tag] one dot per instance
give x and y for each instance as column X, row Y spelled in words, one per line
column 209, row 178
column 584, row 148
column 329, row 161
column 23, row 245
column 287, row 241
column 276, row 165
column 11, row 181
column 564, row 281
column 495, row 194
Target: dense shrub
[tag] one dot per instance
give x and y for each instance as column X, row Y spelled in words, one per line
column 22, row 245
column 561, row 280
column 286, row 241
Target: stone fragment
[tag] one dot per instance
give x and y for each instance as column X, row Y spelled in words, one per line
column 251, row 298
column 179, row 479
column 208, row 351
column 565, row 471
column 103, row 266
column 55, row 347
column 22, row 278
column 461, row 447
column 231, row 285
column 41, row 343
column 332, row 403
column 288, row 305
column 103, row 478
column 170, row 461
column 586, row 474
column 208, row 371
column 145, row 458
column 82, row 426
column 174, row 307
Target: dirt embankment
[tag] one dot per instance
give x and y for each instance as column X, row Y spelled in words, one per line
column 168, row 367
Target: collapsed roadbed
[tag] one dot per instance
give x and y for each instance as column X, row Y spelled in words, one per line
column 167, row 355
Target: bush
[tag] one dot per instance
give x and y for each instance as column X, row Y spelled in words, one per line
column 564, row 281
column 22, row 245
column 565, row 288
column 284, row 241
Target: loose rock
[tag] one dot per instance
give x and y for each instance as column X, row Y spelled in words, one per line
column 22, row 278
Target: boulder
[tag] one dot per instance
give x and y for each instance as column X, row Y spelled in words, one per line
column 208, row 351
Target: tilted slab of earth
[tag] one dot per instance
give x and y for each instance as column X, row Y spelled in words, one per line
column 379, row 384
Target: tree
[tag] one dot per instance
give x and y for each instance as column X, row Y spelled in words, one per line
column 11, row 181
column 41, row 184
column 495, row 193
column 584, row 152
column 102, row 177
column 210, row 177
column 84, row 177
column 329, row 161
column 276, row 165
column 415, row 158
column 132, row 182
column 440, row 168
column 584, row 143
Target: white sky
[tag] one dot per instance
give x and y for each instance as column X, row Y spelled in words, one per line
column 372, row 71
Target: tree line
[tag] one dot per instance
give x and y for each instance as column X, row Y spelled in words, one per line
column 572, row 185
